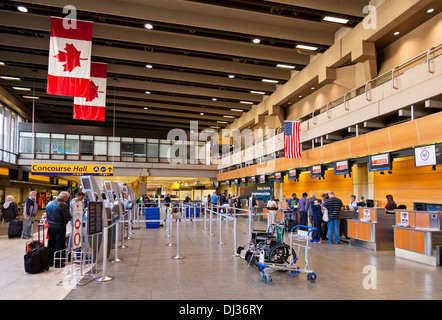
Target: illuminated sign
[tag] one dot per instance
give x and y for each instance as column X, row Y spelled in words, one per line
column 71, row 170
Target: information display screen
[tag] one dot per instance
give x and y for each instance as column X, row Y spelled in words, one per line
column 428, row 155
column 243, row 181
column 342, row 167
column 253, row 180
column 236, row 182
column 278, row 176
column 228, row 183
column 86, row 184
column 380, row 162
column 262, row 178
column 293, row 174
column 317, row 171
column 94, row 218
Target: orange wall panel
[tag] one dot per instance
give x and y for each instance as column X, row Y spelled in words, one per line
column 402, row 239
column 419, row 241
column 378, row 141
column 359, row 146
column 404, row 135
column 429, row 128
column 342, row 150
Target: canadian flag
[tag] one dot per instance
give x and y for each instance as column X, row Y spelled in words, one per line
column 92, row 107
column 69, row 58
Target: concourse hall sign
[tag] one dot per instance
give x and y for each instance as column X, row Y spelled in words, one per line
column 71, row 170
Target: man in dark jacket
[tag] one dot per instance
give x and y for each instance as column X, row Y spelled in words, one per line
column 29, row 212
column 57, row 215
column 334, row 207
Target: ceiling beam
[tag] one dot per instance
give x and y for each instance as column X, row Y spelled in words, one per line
column 174, row 60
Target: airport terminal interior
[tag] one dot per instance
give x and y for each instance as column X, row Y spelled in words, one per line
column 233, row 150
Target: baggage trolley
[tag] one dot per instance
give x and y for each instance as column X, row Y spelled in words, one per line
column 302, row 235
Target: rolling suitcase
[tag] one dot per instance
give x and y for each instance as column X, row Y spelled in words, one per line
column 36, row 260
column 15, row 229
column 39, row 243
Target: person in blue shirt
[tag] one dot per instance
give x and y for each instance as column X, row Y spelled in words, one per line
column 293, row 204
column 214, row 200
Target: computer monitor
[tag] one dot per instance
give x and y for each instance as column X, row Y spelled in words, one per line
column 370, row 203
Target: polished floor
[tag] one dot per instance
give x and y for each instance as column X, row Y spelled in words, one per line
column 209, row 272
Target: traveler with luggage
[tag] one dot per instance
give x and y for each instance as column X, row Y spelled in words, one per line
column 334, row 206
column 237, row 204
column 317, row 221
column 29, row 212
column 9, row 210
column 58, row 215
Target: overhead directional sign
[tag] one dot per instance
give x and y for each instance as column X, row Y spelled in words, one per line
column 72, row 169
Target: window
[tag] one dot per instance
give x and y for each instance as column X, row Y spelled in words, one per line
column 57, row 143
column 87, row 145
column 25, row 142
column 164, row 148
column 114, row 147
column 127, row 147
column 42, row 143
column 100, row 146
column 140, row 147
column 152, row 148
column 72, row 144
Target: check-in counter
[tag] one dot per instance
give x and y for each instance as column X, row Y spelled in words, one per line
column 371, row 228
column 418, row 236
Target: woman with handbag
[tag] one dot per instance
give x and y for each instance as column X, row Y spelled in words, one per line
column 272, row 206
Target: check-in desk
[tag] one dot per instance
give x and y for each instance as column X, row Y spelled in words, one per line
column 418, row 236
column 371, row 228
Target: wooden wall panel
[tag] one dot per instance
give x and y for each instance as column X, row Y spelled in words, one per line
column 342, row 150
column 378, row 141
column 363, row 231
column 402, row 239
column 359, row 146
column 429, row 128
column 422, row 220
column 418, row 241
column 351, row 229
column 404, row 135
column 315, row 156
column 328, row 153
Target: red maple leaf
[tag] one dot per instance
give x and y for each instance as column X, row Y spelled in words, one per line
column 93, row 91
column 71, row 57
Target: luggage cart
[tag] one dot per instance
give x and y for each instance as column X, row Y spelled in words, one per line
column 267, row 268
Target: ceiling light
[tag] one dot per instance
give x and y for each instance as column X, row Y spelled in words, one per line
column 336, row 20
column 31, row 97
column 286, row 66
column 257, row 92
column 148, row 26
column 430, row 10
column 396, row 33
column 21, row 89
column 2, row 63
column 221, row 121
column 228, row 116
column 201, row 113
column 300, row 96
column 231, row 76
column 9, row 78
column 270, row 80
column 22, row 9
column 304, row 47
column 214, row 99
column 147, row 92
column 246, row 102
column 145, row 108
column 256, row 40
column 148, row 66
column 313, row 88
column 237, row 110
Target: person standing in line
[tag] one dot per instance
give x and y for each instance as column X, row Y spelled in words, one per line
column 334, row 206
column 272, row 206
column 293, row 204
column 9, row 210
column 167, row 200
column 29, row 212
column 214, row 200
column 317, row 221
column 237, row 204
column 309, row 206
column 58, row 216
column 324, row 228
column 302, row 211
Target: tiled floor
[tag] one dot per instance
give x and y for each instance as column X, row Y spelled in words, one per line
column 208, row 271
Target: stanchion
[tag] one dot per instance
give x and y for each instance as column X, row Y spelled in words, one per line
column 170, row 244
column 211, row 218
column 235, row 246
column 205, row 218
column 105, row 277
column 177, row 257
column 116, row 259
column 220, row 242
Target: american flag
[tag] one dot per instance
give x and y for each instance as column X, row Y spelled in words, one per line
column 291, row 140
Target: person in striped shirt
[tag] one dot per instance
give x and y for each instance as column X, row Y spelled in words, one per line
column 334, row 206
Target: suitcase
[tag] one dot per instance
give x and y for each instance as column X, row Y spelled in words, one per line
column 288, row 225
column 39, row 243
column 36, row 260
column 15, row 229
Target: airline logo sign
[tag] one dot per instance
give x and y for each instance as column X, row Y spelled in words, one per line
column 71, row 170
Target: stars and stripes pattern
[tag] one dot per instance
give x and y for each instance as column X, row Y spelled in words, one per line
column 292, row 148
